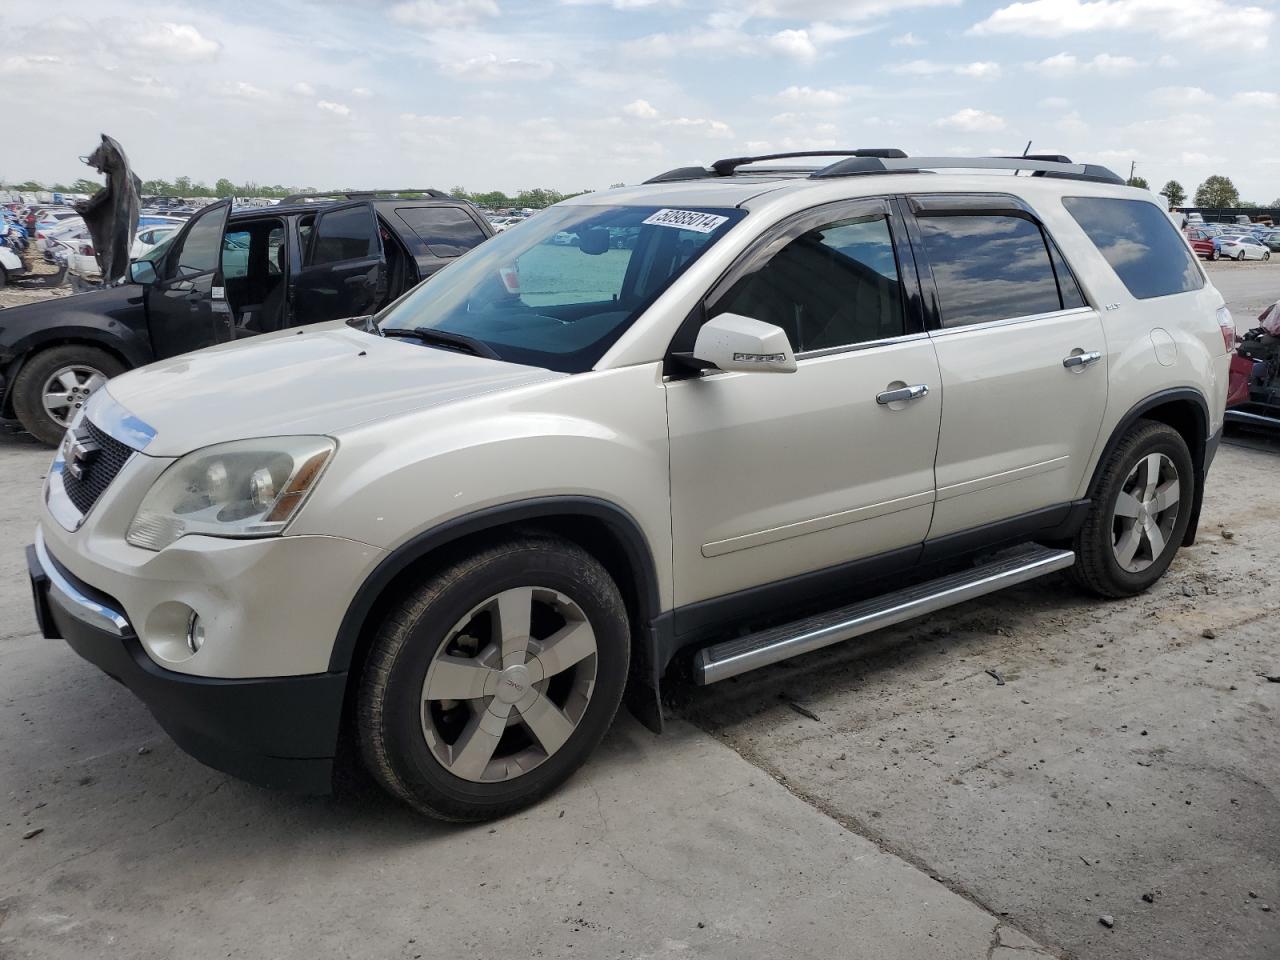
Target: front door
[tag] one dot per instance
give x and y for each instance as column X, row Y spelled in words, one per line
column 1023, row 361
column 186, row 309
column 343, row 273
column 775, row 475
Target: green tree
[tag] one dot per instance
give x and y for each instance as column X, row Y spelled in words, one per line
column 1139, row 182
column 1217, row 191
column 224, row 188
column 615, row 186
column 182, row 186
column 1174, row 193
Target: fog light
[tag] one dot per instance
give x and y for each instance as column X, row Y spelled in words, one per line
column 195, row 632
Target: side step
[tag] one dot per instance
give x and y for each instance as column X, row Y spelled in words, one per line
column 732, row 657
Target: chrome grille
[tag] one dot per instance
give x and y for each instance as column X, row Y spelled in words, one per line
column 97, row 473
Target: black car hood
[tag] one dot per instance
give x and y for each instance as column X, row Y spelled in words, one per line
column 118, row 310
column 111, row 214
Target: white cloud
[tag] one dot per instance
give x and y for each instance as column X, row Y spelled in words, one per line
column 793, row 43
column 303, row 89
column 436, row 14
column 726, row 36
column 835, row 9
column 1181, row 96
column 1055, row 103
column 1257, row 98
column 490, row 67
column 982, row 70
column 338, row 109
column 1068, row 64
column 907, row 39
column 245, row 91
column 712, row 128
column 363, row 92
column 970, row 120
column 170, row 41
column 640, row 108
column 809, row 96
column 1215, row 23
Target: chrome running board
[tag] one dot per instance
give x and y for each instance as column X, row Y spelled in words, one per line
column 732, row 657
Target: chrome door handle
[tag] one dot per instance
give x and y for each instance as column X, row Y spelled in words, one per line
column 902, row 394
column 1081, row 359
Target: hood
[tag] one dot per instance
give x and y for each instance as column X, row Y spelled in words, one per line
column 321, row 379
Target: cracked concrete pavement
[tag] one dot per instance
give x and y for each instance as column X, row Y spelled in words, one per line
column 926, row 813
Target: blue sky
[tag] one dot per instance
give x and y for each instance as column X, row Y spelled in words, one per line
column 583, row 93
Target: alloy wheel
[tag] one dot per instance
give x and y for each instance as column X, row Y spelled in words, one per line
column 67, row 390
column 509, row 685
column 1145, row 513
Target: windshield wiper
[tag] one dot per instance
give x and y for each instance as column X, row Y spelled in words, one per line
column 443, row 338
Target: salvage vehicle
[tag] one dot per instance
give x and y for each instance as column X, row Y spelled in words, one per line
column 1253, row 396
column 1242, row 247
column 11, row 266
column 805, row 403
column 224, row 276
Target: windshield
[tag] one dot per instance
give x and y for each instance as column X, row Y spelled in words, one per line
column 557, row 290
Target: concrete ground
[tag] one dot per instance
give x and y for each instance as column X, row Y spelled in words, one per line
column 928, row 810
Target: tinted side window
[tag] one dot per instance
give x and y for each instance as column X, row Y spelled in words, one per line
column 447, row 231
column 344, row 235
column 989, row 268
column 201, row 247
column 833, row 286
column 1141, row 244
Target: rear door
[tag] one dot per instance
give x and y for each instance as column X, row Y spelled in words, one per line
column 445, row 231
column 186, row 309
column 343, row 273
column 1023, row 361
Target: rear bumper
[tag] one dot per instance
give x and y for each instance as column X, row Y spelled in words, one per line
column 275, row 732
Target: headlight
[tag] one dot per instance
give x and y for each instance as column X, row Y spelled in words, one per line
column 247, row 488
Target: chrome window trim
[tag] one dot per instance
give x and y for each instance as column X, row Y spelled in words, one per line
column 864, row 345
column 63, row 592
column 1010, row 321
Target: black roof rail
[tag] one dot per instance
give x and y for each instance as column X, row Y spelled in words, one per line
column 1057, row 168
column 728, row 166
column 365, row 194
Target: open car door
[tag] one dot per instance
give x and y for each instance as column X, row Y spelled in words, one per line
column 344, row 268
column 186, row 308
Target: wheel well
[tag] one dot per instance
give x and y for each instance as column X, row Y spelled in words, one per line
column 6, row 408
column 1186, row 417
column 598, row 537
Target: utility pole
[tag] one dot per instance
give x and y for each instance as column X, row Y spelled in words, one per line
column 1132, row 166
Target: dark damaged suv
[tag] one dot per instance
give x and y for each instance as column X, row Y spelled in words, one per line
column 228, row 274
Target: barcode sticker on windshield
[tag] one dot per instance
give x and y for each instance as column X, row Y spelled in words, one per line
column 686, row 220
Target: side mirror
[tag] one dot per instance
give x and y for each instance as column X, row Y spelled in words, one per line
column 733, row 342
column 142, row 271
column 594, row 241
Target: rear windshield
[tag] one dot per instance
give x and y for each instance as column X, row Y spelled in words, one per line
column 559, row 289
column 1140, row 242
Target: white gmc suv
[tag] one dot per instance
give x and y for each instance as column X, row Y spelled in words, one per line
column 745, row 411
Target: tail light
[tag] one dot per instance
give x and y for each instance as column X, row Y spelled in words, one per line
column 86, row 250
column 1228, row 327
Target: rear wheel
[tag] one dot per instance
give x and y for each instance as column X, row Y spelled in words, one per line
column 1139, row 512
column 487, row 686
column 53, row 386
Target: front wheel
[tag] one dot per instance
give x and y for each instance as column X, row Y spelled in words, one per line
column 1240, row 258
column 55, row 384
column 1213, row 255
column 1266, row 255
column 1139, row 513
column 491, row 683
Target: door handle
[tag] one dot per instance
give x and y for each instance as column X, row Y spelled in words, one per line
column 1081, row 359
column 902, row 394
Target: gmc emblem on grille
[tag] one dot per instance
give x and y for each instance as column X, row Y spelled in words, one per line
column 80, row 453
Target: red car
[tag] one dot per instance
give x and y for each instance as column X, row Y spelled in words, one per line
column 1202, row 243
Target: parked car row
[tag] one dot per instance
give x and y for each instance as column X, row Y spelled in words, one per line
column 1214, row 241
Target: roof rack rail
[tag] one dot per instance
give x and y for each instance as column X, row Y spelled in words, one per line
column 727, row 166
column 1057, row 167
column 364, row 194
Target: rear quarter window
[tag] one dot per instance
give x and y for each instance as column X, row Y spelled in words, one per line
column 447, row 231
column 1140, row 243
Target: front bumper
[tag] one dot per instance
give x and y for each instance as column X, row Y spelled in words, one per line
column 276, row 731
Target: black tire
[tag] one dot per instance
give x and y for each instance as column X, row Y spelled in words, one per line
column 1213, row 255
column 1097, row 568
column 389, row 705
column 30, row 381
